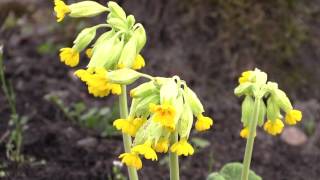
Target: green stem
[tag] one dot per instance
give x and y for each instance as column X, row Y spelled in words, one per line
column 174, row 160
column 133, row 175
column 250, row 140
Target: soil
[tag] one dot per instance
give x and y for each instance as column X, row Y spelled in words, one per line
column 182, row 39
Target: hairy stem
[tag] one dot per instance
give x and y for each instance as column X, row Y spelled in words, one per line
column 250, row 140
column 174, row 160
column 133, row 175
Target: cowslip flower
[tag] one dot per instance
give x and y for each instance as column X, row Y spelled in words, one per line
column 69, row 56
column 97, row 82
column 129, row 126
column 162, row 146
column 138, row 62
column 203, row 123
column 245, row 77
column 244, row 133
column 273, row 127
column 293, row 116
column 145, row 150
column 61, row 9
column 182, row 147
column 131, row 159
column 164, row 114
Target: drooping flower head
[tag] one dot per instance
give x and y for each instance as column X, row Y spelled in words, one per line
column 271, row 101
column 169, row 106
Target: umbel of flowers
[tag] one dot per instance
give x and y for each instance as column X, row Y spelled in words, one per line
column 119, row 46
column 159, row 109
column 252, row 85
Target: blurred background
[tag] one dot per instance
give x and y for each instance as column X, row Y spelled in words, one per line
column 68, row 134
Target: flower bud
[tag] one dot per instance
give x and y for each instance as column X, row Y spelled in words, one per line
column 144, row 90
column 102, row 53
column 273, row 110
column 130, row 21
column 246, row 110
column 84, row 38
column 193, row 101
column 186, row 120
column 282, row 100
column 262, row 113
column 86, row 9
column 141, row 36
column 104, row 37
column 116, row 10
column 123, row 76
column 117, row 23
column 128, row 54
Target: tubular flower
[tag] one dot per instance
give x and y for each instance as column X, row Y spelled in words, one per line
column 97, row 82
column 61, row 9
column 273, row 127
column 162, row 146
column 146, row 150
column 126, row 126
column 138, row 122
column 164, row 114
column 293, row 116
column 203, row 123
column 245, row 77
column 182, row 147
column 131, row 159
column 244, row 133
column 89, row 52
column 69, row 56
column 138, row 62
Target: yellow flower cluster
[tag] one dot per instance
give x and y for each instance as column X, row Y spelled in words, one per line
column 97, row 82
column 272, row 101
column 167, row 114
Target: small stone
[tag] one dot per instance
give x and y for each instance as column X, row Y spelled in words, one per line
column 294, row 136
column 87, row 143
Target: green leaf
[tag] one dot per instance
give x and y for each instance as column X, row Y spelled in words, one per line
column 232, row 171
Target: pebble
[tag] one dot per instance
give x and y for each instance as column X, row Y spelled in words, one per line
column 294, row 136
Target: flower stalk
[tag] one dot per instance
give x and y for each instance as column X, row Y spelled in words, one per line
column 250, row 140
column 174, row 160
column 133, row 175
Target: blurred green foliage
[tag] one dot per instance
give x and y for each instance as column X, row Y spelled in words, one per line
column 99, row 119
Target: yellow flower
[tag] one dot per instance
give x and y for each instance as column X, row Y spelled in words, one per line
column 89, row 52
column 293, row 116
column 182, row 147
column 129, row 126
column 69, row 56
column 131, row 159
column 164, row 114
column 245, row 77
column 97, row 82
column 162, row 146
column 273, row 127
column 61, row 9
column 146, row 150
column 126, row 126
column 244, row 133
column 138, row 62
column 203, row 123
